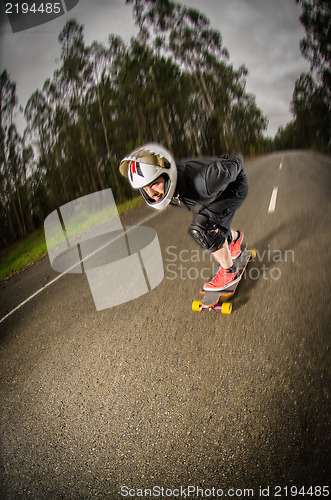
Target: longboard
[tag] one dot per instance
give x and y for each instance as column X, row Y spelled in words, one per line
column 217, row 300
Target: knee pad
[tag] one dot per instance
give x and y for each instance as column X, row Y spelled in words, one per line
column 206, row 233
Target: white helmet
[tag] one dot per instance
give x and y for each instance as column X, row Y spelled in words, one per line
column 144, row 165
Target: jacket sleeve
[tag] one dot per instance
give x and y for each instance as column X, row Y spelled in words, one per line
column 221, row 172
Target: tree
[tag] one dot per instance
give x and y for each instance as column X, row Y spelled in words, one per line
column 311, row 111
column 186, row 35
column 286, row 137
column 316, row 46
column 73, row 80
column 311, row 100
column 310, row 104
column 8, row 101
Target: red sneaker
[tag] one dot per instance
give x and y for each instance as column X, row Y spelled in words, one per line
column 235, row 246
column 223, row 279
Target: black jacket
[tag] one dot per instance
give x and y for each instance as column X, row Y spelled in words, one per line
column 211, row 186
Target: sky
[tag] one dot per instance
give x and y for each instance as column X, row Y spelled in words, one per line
column 264, row 35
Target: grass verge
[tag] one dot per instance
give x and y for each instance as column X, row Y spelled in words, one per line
column 24, row 253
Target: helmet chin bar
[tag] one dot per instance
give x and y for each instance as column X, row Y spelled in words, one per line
column 145, row 195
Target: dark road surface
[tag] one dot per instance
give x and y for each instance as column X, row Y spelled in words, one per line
column 103, row 404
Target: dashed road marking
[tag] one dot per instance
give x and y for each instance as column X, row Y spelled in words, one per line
column 273, row 199
column 281, row 163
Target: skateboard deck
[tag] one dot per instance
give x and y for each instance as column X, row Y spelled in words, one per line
column 217, row 300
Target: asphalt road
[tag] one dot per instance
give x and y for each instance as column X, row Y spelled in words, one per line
column 149, row 394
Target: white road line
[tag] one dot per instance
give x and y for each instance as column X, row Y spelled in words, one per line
column 272, row 204
column 31, row 296
column 281, row 163
column 72, row 267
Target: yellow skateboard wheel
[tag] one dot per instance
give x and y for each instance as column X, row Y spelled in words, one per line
column 226, row 308
column 253, row 253
column 196, row 305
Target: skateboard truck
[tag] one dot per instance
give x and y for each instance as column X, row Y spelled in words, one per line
column 224, row 307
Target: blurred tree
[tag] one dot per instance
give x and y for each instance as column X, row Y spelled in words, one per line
column 311, row 112
column 39, row 115
column 18, row 160
column 103, row 60
column 316, row 46
column 311, row 100
column 186, row 35
column 73, row 80
column 140, row 20
column 13, row 159
column 285, row 137
column 7, row 104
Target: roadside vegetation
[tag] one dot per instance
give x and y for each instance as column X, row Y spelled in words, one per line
column 22, row 254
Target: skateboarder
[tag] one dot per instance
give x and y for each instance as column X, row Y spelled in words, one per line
column 213, row 188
